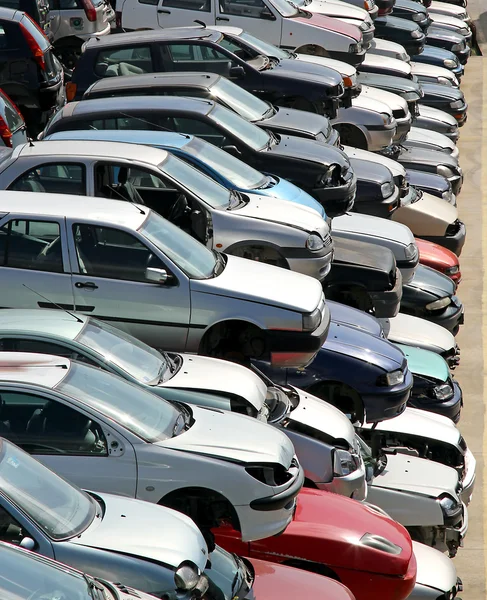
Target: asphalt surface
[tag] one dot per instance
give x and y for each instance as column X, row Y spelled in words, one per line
column 471, row 561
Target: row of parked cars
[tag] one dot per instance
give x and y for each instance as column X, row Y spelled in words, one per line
column 229, row 253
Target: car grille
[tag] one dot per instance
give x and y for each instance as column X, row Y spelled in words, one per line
column 327, row 241
column 453, row 228
column 399, row 114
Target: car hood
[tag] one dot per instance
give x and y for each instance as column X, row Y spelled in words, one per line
column 422, row 156
column 342, row 67
column 417, row 475
column 329, row 24
column 440, row 33
column 390, row 83
column 320, row 415
column 378, row 62
column 361, row 345
column 432, row 281
column 373, row 227
column 233, row 437
column 337, row 10
column 371, row 102
column 396, row 168
column 429, row 181
column 439, row 115
column 422, row 423
column 268, row 208
column 342, row 522
column 133, row 527
column 374, row 172
column 297, row 120
column 264, row 284
column 288, row 191
column 310, row 150
column 211, row 374
column 393, row 101
column 435, row 570
column 425, row 362
column 431, row 70
column 365, row 255
column 414, row 331
column 432, row 137
column 305, row 71
column 441, row 256
column 346, row 315
column 428, row 216
column 396, row 23
column 445, row 92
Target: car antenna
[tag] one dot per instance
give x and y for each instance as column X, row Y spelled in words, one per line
column 31, row 143
column 161, row 127
column 202, row 23
column 56, row 305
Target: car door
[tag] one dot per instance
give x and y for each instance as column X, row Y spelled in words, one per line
column 179, row 13
column 109, row 282
column 70, row 441
column 258, row 17
column 56, row 177
column 195, row 57
column 34, row 263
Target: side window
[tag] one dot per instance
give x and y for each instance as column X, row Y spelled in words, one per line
column 199, row 128
column 70, row 5
column 199, row 5
column 10, row 530
column 197, row 56
column 243, row 8
column 112, row 253
column 41, row 347
column 124, row 61
column 32, row 245
column 9, row 37
column 59, row 178
column 43, row 426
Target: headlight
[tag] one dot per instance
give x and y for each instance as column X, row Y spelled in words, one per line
column 444, row 81
column 391, row 379
column 457, row 104
column 329, row 179
column 364, row 26
column 417, row 34
column 312, row 321
column 344, row 463
column 380, row 543
column 445, row 171
column 188, row 577
column 386, row 119
column 355, row 48
column 451, row 509
column 452, row 128
column 442, row 392
column 314, row 242
column 457, row 47
column 418, row 16
column 452, row 270
column 411, row 251
column 449, row 63
column 439, row 304
column 387, row 189
column 448, row 196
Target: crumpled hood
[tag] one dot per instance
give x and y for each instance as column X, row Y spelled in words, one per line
column 364, row 254
column 297, row 120
column 234, row 437
column 435, row 569
column 276, row 210
column 371, row 171
column 338, row 10
column 338, row 65
column 320, row 415
column 370, row 102
column 375, row 227
column 425, row 362
column 346, row 315
column 396, row 168
column 428, row 216
column 211, row 374
column 144, row 529
column 439, row 115
column 414, row 331
column 433, row 282
column 378, row 63
column 308, row 71
column 264, row 284
column 310, row 150
column 394, row 101
column 445, row 92
column 417, row 475
column 432, row 137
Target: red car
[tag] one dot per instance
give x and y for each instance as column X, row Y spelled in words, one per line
column 276, row 582
column 341, row 538
column 439, row 258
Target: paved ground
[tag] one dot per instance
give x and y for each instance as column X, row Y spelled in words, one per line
column 471, row 561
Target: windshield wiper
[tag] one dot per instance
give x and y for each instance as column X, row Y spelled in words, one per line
column 97, row 591
column 170, row 362
column 218, row 263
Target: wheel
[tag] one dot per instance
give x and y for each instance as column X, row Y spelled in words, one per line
column 68, row 54
column 351, row 136
column 235, row 341
column 260, row 253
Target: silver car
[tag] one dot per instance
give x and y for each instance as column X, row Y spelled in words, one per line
column 126, row 264
column 251, row 226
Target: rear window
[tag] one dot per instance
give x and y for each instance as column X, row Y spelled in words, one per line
column 15, row 4
column 14, row 120
column 35, row 32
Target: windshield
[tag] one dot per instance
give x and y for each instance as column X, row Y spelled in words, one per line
column 286, row 9
column 263, row 47
column 126, row 352
column 58, row 508
column 242, row 102
column 141, row 412
column 199, row 184
column 248, row 133
column 187, row 253
column 229, row 574
column 26, row 575
column 235, row 171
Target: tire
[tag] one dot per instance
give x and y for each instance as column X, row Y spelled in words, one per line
column 350, row 135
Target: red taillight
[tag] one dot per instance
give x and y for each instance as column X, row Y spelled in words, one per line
column 90, row 10
column 70, row 91
column 34, row 47
column 5, row 133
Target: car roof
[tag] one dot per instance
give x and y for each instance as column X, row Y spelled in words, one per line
column 100, row 105
column 98, row 149
column 134, row 136
column 11, row 14
column 41, row 321
column 28, row 367
column 155, row 80
column 40, row 204
column 153, row 35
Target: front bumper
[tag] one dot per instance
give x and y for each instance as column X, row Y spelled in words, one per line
column 453, row 242
column 407, row 268
column 450, row 408
column 450, row 318
column 378, row 207
column 317, row 267
column 403, row 127
column 436, row 125
column 337, row 200
column 468, row 481
column 352, row 486
column 388, row 402
column 386, row 303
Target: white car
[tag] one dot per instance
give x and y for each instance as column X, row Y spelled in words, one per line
column 436, row 577
column 397, row 105
column 426, row 73
column 105, row 434
column 436, row 120
column 430, row 140
column 388, row 49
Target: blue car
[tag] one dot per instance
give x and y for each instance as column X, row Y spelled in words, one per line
column 439, row 57
column 365, row 376
column 224, row 168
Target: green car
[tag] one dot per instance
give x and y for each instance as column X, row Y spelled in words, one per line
column 434, row 388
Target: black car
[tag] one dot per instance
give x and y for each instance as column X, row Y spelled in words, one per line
column 431, row 296
column 364, row 276
column 432, row 184
column 412, row 11
column 290, row 83
column 31, row 75
column 439, row 57
column 449, row 99
column 287, row 121
column 406, row 88
column 447, row 39
column 377, row 195
column 38, row 11
column 433, row 161
column 322, row 170
column 401, row 31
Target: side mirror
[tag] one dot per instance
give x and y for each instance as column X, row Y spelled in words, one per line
column 267, row 15
column 27, row 543
column 236, row 72
column 159, row 276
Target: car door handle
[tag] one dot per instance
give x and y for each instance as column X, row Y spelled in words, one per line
column 86, row 284
column 164, row 10
column 222, row 19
